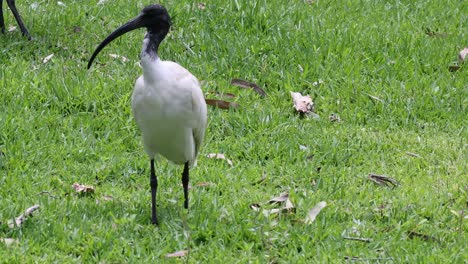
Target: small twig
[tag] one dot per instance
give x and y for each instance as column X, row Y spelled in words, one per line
column 366, row 259
column 261, row 180
column 413, row 154
column 413, row 234
column 383, row 180
column 49, row 194
column 248, row 85
column 374, row 97
column 367, row 240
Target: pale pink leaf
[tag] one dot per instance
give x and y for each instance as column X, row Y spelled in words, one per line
column 177, row 254
column 302, row 104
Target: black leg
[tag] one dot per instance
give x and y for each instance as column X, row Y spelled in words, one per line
column 2, row 22
column 11, row 4
column 154, row 187
column 185, row 181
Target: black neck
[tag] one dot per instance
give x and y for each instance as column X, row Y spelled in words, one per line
column 155, row 37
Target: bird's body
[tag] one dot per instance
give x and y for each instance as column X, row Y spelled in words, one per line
column 167, row 102
column 168, row 106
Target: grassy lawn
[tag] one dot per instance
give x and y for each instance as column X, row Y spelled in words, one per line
column 381, row 66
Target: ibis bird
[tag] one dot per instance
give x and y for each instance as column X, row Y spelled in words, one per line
column 167, row 102
column 12, row 5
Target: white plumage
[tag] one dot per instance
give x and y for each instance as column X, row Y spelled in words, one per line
column 167, row 102
column 169, row 108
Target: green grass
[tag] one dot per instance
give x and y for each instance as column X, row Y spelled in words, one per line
column 61, row 124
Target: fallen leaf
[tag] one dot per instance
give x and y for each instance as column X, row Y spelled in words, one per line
column 47, row 59
column 201, row 6
column 374, row 98
column 271, row 211
column 463, row 53
column 9, row 241
column 454, row 68
column 80, row 188
column 367, row 260
column 22, row 218
column 11, row 28
column 334, row 118
column 302, row 104
column 227, row 95
column 383, row 180
column 49, row 194
column 434, row 34
column 248, row 85
column 362, row 239
column 108, row 197
column 288, row 207
column 317, row 83
column 261, row 180
column 314, row 212
column 280, row 199
column 256, row 207
column 76, row 29
column 413, row 154
column 177, row 254
column 204, row 184
column 61, row 4
column 219, row 156
column 34, row 5
column 221, row 104
column 413, row 234
column 122, row 58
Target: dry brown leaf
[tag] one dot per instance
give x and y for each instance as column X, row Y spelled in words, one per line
column 248, row 85
column 463, row 53
column 314, row 212
column 383, row 180
column 116, row 56
column 81, row 188
column 9, row 241
column 280, row 199
column 47, row 59
column 177, row 254
column 221, row 104
column 219, row 156
column 22, row 218
column 303, row 104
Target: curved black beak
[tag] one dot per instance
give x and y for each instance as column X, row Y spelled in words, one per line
column 129, row 26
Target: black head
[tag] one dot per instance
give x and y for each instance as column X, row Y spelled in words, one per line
column 154, row 18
